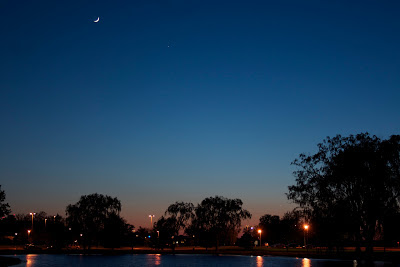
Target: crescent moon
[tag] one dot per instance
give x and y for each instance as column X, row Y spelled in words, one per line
column 97, row 20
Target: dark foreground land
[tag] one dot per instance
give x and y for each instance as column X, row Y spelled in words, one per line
column 8, row 261
column 389, row 255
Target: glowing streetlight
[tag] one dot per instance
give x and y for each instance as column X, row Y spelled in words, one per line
column 133, row 237
column 45, row 223
column 32, row 213
column 151, row 220
column 306, row 226
column 158, row 234
column 29, row 232
column 259, row 231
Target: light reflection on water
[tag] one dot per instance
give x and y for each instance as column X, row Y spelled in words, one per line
column 31, row 260
column 148, row 260
column 306, row 262
column 260, row 261
column 157, row 260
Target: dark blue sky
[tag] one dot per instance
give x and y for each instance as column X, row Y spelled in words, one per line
column 180, row 100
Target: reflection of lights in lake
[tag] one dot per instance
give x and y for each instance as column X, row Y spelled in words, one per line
column 31, row 260
column 157, row 259
column 306, row 262
column 260, row 261
column 153, row 260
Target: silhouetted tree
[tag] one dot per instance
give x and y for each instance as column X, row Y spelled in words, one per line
column 7, row 228
column 167, row 228
column 214, row 219
column 142, row 236
column 247, row 239
column 218, row 215
column 291, row 227
column 391, row 229
column 4, row 207
column 114, row 230
column 286, row 230
column 56, row 231
column 351, row 181
column 89, row 215
column 271, row 228
column 182, row 213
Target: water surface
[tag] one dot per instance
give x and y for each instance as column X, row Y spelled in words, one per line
column 43, row 260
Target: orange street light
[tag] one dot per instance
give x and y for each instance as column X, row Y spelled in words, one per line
column 29, row 232
column 259, row 231
column 306, row 226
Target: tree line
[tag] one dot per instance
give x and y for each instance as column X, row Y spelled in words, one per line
column 347, row 193
column 95, row 220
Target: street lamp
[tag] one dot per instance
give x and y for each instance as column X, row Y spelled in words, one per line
column 29, row 231
column 151, row 220
column 259, row 231
column 32, row 213
column 45, row 223
column 133, row 237
column 305, row 230
column 158, row 234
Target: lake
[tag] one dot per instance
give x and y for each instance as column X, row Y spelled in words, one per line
column 43, row 260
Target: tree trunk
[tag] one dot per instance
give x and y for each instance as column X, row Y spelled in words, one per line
column 369, row 233
column 369, row 249
column 358, row 244
column 217, row 238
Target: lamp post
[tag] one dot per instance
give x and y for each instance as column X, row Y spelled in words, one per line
column 158, row 234
column 259, row 231
column 151, row 220
column 32, row 213
column 305, row 230
column 29, row 232
column 133, row 237
column 45, row 223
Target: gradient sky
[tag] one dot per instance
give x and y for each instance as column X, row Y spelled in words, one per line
column 165, row 101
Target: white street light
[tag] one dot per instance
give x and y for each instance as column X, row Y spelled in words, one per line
column 151, row 220
column 32, row 213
